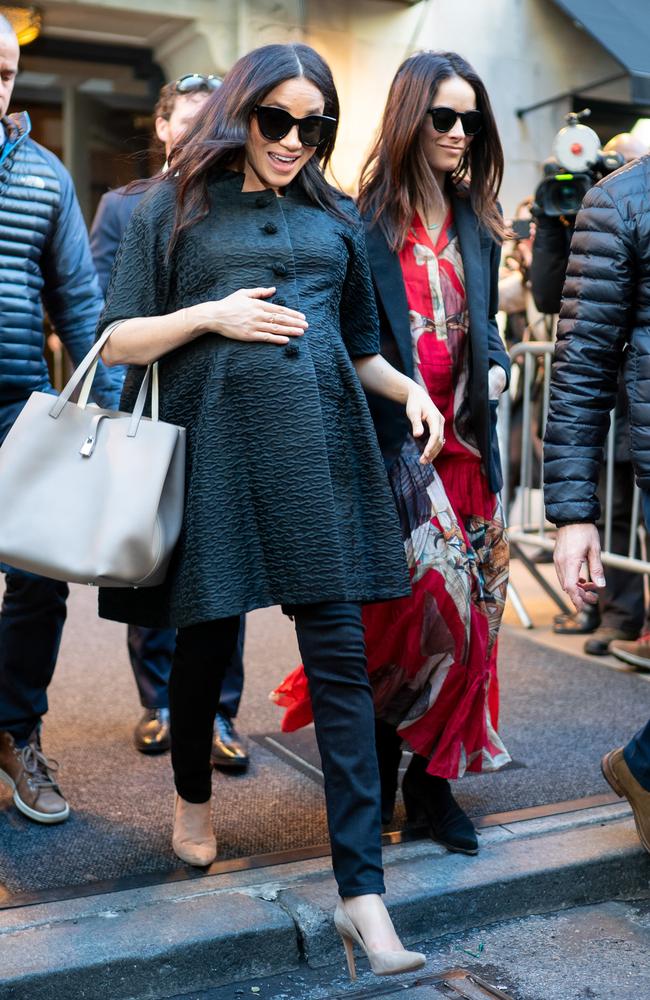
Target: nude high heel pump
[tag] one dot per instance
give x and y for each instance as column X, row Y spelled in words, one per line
column 193, row 839
column 382, row 963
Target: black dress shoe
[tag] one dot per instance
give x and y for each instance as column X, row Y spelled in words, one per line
column 152, row 731
column 389, row 755
column 429, row 799
column 229, row 749
column 580, row 623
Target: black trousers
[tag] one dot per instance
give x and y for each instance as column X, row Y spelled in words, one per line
column 622, row 604
column 331, row 643
column 151, row 651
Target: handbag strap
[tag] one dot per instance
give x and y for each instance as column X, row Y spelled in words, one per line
column 86, row 371
column 138, row 409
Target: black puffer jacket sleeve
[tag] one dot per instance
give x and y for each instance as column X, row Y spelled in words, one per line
column 549, row 263
column 595, row 322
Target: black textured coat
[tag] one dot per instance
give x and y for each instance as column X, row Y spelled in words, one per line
column 604, row 325
column 480, row 254
column 287, row 500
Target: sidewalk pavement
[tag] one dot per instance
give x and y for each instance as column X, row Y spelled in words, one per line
column 172, row 939
column 182, row 936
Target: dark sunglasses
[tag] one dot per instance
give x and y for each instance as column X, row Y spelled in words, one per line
column 193, row 82
column 275, row 123
column 444, row 120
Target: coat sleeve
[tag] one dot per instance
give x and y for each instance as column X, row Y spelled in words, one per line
column 595, row 320
column 549, row 263
column 105, row 235
column 71, row 292
column 358, row 308
column 139, row 279
column 497, row 354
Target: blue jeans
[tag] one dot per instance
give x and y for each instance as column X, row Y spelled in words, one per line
column 151, row 651
column 637, row 751
column 31, row 622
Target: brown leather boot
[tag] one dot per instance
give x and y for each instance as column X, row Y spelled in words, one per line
column 30, row 775
column 618, row 775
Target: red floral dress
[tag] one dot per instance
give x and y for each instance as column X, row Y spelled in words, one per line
column 432, row 657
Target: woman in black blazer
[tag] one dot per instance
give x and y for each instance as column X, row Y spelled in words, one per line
column 433, row 231
column 433, row 227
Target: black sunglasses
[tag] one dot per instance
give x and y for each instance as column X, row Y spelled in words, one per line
column 444, row 120
column 193, row 82
column 275, row 123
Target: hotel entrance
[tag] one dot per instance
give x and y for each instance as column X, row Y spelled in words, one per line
column 92, row 106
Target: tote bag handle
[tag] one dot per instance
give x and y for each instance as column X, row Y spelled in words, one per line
column 86, row 371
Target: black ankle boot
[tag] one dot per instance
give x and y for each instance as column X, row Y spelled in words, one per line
column 429, row 798
column 389, row 755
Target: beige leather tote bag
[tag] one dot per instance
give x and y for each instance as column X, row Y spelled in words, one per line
column 89, row 495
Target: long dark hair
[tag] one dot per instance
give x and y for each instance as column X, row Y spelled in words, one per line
column 217, row 138
column 397, row 179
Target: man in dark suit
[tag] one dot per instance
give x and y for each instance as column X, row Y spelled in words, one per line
column 150, row 650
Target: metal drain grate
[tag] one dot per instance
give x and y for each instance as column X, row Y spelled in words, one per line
column 461, row 983
column 452, row 983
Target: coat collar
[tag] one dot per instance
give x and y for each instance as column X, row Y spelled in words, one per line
column 476, row 292
column 387, row 276
column 466, row 228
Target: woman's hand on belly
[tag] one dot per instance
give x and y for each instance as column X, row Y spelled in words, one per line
column 245, row 315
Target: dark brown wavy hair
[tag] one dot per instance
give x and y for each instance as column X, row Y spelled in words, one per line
column 397, row 178
column 217, row 138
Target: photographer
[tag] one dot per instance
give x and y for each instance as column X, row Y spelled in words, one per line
column 620, row 615
column 554, row 228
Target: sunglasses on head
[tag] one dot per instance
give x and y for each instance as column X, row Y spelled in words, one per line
column 275, row 123
column 444, row 120
column 193, row 82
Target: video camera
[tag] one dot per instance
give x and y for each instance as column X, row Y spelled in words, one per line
column 578, row 163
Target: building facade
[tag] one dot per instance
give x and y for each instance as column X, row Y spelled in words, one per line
column 91, row 77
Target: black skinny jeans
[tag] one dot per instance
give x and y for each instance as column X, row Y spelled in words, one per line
column 331, row 643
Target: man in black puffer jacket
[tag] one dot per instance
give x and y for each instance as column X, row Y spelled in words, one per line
column 44, row 259
column 604, row 326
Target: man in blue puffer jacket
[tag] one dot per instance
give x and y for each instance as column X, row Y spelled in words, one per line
column 604, row 327
column 45, row 261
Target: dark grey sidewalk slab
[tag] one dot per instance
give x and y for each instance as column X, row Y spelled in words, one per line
column 175, row 939
column 151, row 951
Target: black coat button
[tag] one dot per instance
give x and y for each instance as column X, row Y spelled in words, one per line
column 280, row 302
column 270, row 228
column 280, row 269
column 291, row 349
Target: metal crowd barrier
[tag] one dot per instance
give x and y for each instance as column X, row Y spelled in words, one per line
column 527, row 526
